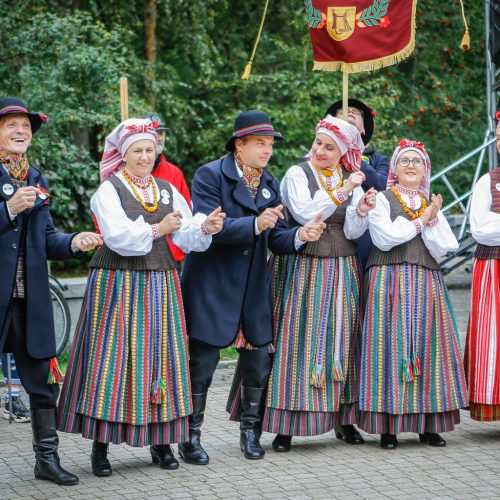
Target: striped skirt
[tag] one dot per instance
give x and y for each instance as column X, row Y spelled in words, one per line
column 482, row 350
column 410, row 356
column 316, row 322
column 128, row 378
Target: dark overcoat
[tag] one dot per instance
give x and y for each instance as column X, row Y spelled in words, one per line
column 227, row 285
column 42, row 242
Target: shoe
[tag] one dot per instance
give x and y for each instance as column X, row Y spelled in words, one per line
column 252, row 399
column 192, row 452
column 282, row 443
column 349, row 434
column 20, row 412
column 162, row 454
column 99, row 459
column 388, row 441
column 432, row 439
column 45, row 445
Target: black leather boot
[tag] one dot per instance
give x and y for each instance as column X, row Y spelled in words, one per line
column 192, row 452
column 432, row 439
column 45, row 445
column 162, row 454
column 282, row 443
column 99, row 460
column 388, row 441
column 349, row 434
column 252, row 399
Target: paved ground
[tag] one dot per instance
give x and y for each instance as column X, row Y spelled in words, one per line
column 320, row 467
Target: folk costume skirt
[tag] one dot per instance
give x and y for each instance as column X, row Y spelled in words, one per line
column 316, row 322
column 412, row 377
column 128, row 376
column 482, row 349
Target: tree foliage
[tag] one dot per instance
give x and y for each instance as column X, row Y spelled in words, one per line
column 65, row 58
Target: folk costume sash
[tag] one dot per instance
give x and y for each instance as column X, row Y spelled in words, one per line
column 485, row 252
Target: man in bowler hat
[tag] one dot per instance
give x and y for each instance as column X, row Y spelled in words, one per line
column 27, row 239
column 225, row 289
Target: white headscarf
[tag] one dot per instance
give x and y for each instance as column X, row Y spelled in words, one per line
column 121, row 138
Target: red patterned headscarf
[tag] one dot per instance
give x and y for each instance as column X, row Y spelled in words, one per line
column 122, row 137
column 417, row 147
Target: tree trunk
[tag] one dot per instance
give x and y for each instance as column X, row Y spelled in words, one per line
column 150, row 44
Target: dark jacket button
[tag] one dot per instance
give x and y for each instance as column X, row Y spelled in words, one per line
column 14, row 246
column 245, row 252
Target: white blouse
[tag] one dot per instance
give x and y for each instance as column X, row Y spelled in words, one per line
column 135, row 237
column 484, row 224
column 386, row 234
column 296, row 196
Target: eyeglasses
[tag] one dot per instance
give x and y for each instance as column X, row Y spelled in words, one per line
column 354, row 111
column 404, row 162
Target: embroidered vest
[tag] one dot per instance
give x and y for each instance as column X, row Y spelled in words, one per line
column 332, row 243
column 160, row 258
column 412, row 252
column 484, row 252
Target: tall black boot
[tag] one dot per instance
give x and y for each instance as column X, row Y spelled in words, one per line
column 192, row 452
column 252, row 399
column 99, row 460
column 45, row 444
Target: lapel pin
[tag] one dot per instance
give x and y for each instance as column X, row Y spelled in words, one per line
column 266, row 194
column 8, row 189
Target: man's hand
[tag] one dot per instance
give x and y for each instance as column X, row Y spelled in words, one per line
column 170, row 223
column 23, row 199
column 268, row 218
column 214, row 222
column 86, row 241
column 312, row 230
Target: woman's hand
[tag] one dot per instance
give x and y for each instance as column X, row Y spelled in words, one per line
column 428, row 213
column 86, row 241
column 368, row 201
column 312, row 230
column 215, row 221
column 170, row 223
column 353, row 181
column 436, row 203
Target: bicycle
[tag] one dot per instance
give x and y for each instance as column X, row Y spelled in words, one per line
column 62, row 317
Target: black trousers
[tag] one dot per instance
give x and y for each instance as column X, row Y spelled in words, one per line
column 32, row 372
column 255, row 366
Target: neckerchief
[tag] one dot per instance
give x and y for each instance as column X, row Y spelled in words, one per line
column 17, row 165
column 251, row 177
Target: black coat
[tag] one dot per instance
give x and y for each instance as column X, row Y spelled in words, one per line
column 43, row 242
column 228, row 284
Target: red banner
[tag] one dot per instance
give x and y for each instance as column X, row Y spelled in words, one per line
column 360, row 35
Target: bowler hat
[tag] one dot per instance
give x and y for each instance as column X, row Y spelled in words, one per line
column 368, row 114
column 155, row 118
column 15, row 106
column 252, row 122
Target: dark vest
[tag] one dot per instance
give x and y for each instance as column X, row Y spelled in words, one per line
column 412, row 252
column 332, row 243
column 160, row 258
column 484, row 252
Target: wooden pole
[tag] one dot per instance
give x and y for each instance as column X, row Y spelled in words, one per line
column 124, row 97
column 345, row 93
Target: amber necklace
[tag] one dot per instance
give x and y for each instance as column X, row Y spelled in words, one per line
column 406, row 209
column 134, row 184
column 330, row 190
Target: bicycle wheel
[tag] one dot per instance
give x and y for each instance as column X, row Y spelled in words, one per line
column 62, row 318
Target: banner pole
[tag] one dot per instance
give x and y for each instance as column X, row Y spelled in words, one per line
column 124, row 97
column 345, row 93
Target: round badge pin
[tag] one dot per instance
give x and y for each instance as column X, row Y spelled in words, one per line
column 266, row 194
column 43, row 196
column 8, row 189
column 497, row 186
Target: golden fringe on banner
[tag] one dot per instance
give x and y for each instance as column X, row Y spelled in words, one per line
column 373, row 64
column 465, row 43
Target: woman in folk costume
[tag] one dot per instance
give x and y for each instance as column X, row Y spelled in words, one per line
column 412, row 377
column 482, row 350
column 315, row 294
column 128, row 376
